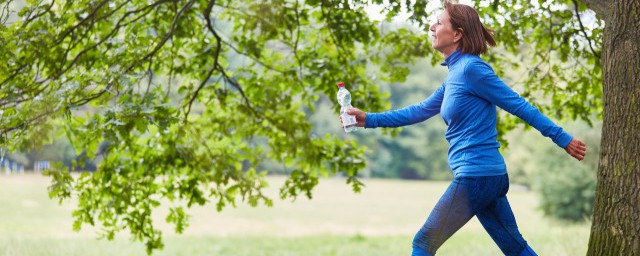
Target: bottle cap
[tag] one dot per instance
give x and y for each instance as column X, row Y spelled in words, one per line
column 340, row 84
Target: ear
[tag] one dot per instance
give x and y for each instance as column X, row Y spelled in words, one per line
column 457, row 35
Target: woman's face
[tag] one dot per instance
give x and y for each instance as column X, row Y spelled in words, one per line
column 445, row 39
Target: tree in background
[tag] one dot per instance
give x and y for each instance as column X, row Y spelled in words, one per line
column 190, row 95
column 182, row 121
column 616, row 229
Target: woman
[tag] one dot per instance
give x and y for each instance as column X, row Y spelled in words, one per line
column 467, row 102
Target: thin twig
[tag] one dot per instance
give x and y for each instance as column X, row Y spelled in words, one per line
column 90, row 16
column 195, row 94
column 41, row 13
column 166, row 37
column 584, row 32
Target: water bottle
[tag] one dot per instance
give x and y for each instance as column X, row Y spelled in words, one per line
column 344, row 99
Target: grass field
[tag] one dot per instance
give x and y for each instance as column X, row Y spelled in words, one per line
column 379, row 221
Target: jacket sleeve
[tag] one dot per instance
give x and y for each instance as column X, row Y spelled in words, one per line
column 408, row 115
column 484, row 83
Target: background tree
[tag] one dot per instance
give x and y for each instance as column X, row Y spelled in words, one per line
column 183, row 123
column 616, row 229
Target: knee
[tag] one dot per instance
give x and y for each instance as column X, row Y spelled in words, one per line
column 422, row 244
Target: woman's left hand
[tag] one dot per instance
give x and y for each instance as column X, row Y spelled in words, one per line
column 576, row 149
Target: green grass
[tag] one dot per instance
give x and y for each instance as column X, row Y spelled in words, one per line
column 379, row 221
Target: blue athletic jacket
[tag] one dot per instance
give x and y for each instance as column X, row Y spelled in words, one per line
column 467, row 102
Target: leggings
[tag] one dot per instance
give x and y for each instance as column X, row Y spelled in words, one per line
column 482, row 196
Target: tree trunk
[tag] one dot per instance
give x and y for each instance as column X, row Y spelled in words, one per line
column 616, row 220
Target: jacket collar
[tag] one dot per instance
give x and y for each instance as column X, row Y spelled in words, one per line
column 452, row 59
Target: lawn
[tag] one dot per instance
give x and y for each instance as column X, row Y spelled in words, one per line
column 379, row 221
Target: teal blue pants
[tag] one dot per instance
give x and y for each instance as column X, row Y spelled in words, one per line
column 480, row 196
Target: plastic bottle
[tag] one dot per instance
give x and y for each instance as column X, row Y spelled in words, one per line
column 349, row 122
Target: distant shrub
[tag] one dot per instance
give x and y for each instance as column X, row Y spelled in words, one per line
column 565, row 187
column 567, row 194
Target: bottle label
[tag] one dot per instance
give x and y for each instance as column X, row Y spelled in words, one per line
column 348, row 120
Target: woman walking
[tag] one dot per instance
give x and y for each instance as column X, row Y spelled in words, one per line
column 467, row 102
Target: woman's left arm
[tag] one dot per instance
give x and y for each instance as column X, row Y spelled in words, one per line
column 484, row 82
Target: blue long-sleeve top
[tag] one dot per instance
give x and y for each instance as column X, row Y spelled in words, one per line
column 467, row 102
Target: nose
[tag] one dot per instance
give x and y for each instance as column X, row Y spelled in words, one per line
column 432, row 28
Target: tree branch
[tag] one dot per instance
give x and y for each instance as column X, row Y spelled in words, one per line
column 326, row 13
column 207, row 17
column 15, row 73
column 269, row 67
column 195, row 94
column 63, row 70
column 166, row 37
column 295, row 44
column 26, row 123
column 255, row 59
column 40, row 14
column 216, row 65
column 81, row 53
column 584, row 32
column 149, row 55
column 117, row 27
column 5, row 12
column 90, row 16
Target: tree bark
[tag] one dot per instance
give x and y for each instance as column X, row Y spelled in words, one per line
column 616, row 220
column 599, row 6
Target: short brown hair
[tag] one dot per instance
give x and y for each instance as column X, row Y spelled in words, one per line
column 475, row 36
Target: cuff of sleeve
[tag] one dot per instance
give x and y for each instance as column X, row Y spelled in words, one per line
column 564, row 139
column 370, row 121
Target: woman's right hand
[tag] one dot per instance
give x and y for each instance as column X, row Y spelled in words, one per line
column 360, row 115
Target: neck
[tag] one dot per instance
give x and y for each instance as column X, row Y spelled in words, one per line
column 449, row 51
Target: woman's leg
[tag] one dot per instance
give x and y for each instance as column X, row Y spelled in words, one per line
column 451, row 212
column 499, row 221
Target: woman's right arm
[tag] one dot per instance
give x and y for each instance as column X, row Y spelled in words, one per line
column 409, row 115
